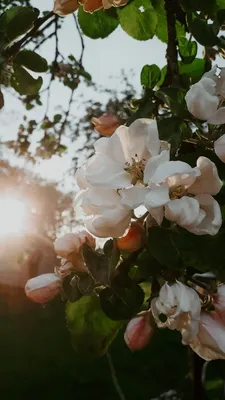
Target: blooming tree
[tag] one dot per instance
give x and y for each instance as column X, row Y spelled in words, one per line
column 153, row 188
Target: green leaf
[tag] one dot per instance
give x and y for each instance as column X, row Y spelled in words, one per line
column 17, row 21
column 173, row 97
column 85, row 74
column 220, row 4
column 112, row 254
column 91, row 330
column 181, row 249
column 214, row 380
column 161, row 246
column 204, row 33
column 206, row 6
column 150, row 76
column 97, row 25
column 220, row 16
column 57, row 118
column 173, row 130
column 31, row 60
column 23, row 82
column 138, row 19
column 187, row 50
column 122, row 300
column 195, row 70
column 97, row 264
column 84, row 283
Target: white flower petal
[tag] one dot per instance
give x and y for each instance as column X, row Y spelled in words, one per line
column 184, row 211
column 134, row 196
column 157, row 196
column 205, row 346
column 111, row 147
column 111, row 223
column 80, row 178
column 158, row 214
column 201, row 99
column 172, row 168
column 153, row 163
column 188, row 300
column 215, row 328
column 96, row 199
column 212, row 221
column 102, row 171
column 220, row 85
column 153, row 142
column 218, row 118
column 219, row 148
column 211, row 74
column 209, row 181
column 134, row 139
column 166, row 296
column 219, row 300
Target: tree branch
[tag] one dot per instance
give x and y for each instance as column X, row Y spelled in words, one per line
column 81, row 39
column 172, row 76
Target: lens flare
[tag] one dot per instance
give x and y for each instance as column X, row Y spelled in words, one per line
column 12, row 216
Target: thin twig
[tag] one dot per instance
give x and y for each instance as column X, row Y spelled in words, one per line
column 172, row 76
column 66, row 117
column 43, row 40
column 54, row 64
column 81, row 39
column 114, row 377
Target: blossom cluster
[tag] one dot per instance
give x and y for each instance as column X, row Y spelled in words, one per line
column 180, row 308
column 45, row 287
column 133, row 168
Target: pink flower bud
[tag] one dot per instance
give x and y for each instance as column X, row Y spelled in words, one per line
column 139, row 331
column 65, row 7
column 43, row 288
column 133, row 240
column 71, row 243
column 106, row 124
column 91, row 5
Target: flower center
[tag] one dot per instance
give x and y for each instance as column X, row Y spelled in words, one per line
column 177, row 192
column 136, row 169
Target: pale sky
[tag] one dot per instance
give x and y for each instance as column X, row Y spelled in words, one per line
column 102, row 59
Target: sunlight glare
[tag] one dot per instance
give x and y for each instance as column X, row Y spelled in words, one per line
column 12, row 216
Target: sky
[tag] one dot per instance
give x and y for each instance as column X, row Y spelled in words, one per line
column 102, row 59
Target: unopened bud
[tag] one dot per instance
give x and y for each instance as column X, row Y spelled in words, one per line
column 71, row 243
column 43, row 288
column 139, row 331
column 133, row 240
column 65, row 7
column 91, row 5
column 106, row 124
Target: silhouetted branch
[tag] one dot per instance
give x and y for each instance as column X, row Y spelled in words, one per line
column 81, row 39
column 172, row 76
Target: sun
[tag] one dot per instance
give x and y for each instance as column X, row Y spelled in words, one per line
column 12, row 216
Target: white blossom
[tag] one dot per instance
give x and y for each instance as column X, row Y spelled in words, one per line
column 205, row 97
column 184, row 195
column 123, row 162
column 105, row 216
column 128, row 157
column 181, row 306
